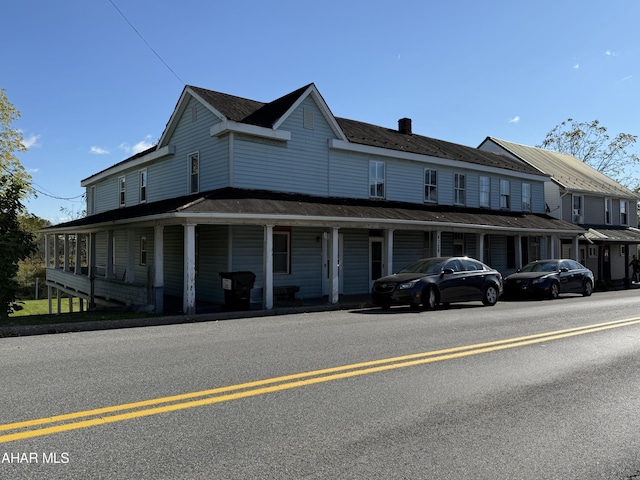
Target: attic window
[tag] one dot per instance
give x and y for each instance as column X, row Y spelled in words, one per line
column 307, row 121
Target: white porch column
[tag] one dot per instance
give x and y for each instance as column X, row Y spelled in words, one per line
column 519, row 251
column 267, row 284
column 439, row 243
column 109, row 273
column 158, row 264
column 552, row 246
column 388, row 260
column 189, row 298
column 56, row 248
column 576, row 248
column 65, row 244
column 334, row 267
column 78, row 254
column 47, row 251
column 91, row 267
column 130, row 275
column 481, row 246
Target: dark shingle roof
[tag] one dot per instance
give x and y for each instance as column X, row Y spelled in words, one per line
column 264, row 203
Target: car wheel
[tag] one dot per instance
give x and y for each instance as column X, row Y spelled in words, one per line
column 490, row 296
column 429, row 298
column 588, row 288
column 554, row 290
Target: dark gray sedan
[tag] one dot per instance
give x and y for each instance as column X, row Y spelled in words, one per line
column 550, row 278
column 445, row 280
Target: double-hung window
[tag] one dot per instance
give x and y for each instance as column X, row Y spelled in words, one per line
column 430, row 186
column 121, row 191
column 376, row 179
column 624, row 218
column 505, row 194
column 485, row 192
column 526, row 197
column 282, row 252
column 577, row 209
column 143, row 186
column 608, row 207
column 459, row 188
column 194, row 173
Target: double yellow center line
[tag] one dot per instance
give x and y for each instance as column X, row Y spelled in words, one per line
column 100, row 416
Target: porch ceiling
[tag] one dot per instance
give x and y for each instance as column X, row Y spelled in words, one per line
column 613, row 235
column 257, row 206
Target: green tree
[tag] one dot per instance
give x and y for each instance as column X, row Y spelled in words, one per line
column 16, row 244
column 590, row 142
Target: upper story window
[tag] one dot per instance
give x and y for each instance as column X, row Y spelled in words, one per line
column 459, row 188
column 194, row 172
column 121, row 191
column 608, row 207
column 485, row 192
column 577, row 209
column 376, row 179
column 430, row 185
column 143, row 186
column 624, row 217
column 505, row 194
column 526, row 197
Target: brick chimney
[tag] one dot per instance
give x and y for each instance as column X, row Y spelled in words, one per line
column 404, row 126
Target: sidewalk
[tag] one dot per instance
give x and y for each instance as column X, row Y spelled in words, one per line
column 280, row 308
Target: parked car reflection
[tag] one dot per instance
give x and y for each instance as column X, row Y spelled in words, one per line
column 431, row 281
column 550, row 278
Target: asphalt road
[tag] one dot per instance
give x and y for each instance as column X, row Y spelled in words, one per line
column 524, row 390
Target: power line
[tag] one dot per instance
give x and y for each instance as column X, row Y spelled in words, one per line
column 147, row 43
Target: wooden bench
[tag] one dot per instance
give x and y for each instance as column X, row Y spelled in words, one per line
column 285, row 292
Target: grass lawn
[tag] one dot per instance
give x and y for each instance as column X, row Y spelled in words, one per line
column 36, row 312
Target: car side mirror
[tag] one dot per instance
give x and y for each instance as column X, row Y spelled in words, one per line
column 563, row 270
column 446, row 271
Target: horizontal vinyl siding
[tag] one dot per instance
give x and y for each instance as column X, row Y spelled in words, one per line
column 407, row 248
column 299, row 165
column 349, row 175
column 306, row 263
column 174, row 260
column 212, row 259
column 594, row 210
column 355, row 267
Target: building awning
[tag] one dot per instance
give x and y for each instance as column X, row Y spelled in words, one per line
column 257, row 207
column 608, row 234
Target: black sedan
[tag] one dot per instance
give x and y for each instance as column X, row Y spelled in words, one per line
column 550, row 278
column 431, row 281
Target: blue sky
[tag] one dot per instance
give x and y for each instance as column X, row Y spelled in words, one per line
column 91, row 92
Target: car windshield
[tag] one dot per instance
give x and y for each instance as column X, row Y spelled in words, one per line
column 429, row 266
column 540, row 267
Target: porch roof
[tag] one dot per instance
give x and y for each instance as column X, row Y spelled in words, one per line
column 240, row 206
column 608, row 234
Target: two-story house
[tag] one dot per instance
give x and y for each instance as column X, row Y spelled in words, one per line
column 299, row 197
column 581, row 195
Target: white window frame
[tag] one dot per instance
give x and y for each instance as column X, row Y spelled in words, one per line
column 122, row 191
column 526, row 197
column 377, row 176
column 286, row 254
column 608, row 211
column 505, row 194
column 459, row 189
column 624, row 212
column 143, row 180
column 484, row 188
column 194, row 177
column 143, row 250
column 577, row 210
column 430, row 185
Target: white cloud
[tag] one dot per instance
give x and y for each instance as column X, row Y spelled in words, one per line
column 628, row 77
column 609, row 53
column 515, row 119
column 138, row 147
column 99, row 151
column 576, row 66
column 30, row 140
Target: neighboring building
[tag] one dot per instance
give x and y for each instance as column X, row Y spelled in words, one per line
column 581, row 195
column 299, row 197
